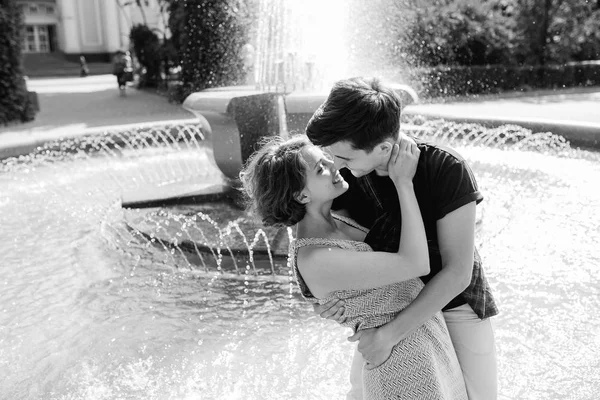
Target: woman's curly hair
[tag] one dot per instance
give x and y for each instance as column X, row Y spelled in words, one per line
column 271, row 179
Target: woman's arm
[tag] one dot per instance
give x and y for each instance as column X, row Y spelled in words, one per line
column 326, row 269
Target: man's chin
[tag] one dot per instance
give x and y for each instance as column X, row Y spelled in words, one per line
column 357, row 174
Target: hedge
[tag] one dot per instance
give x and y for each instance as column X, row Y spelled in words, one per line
column 15, row 101
column 447, row 81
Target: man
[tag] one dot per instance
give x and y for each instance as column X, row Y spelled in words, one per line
column 359, row 123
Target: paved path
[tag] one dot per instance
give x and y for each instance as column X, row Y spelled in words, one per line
column 573, row 105
column 571, row 113
column 69, row 106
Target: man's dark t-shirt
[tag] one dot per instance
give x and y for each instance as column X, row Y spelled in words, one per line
column 443, row 183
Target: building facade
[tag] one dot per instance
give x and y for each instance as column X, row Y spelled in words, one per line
column 93, row 28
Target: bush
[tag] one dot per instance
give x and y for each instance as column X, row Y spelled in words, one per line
column 147, row 49
column 589, row 38
column 15, row 101
column 214, row 35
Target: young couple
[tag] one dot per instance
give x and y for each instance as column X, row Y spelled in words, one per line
column 397, row 261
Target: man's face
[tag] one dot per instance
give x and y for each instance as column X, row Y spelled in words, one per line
column 359, row 162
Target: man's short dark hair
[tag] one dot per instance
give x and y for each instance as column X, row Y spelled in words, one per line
column 362, row 111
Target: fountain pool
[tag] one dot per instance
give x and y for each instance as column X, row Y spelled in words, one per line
column 91, row 308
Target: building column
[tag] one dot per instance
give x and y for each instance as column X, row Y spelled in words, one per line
column 125, row 26
column 112, row 26
column 68, row 29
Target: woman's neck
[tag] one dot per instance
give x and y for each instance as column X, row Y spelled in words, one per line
column 318, row 222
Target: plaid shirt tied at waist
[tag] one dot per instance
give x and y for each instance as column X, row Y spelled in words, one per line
column 385, row 236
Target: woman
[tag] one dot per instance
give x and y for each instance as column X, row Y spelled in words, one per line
column 294, row 183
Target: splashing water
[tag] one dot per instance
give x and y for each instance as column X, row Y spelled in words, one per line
column 306, row 46
column 300, row 46
column 100, row 302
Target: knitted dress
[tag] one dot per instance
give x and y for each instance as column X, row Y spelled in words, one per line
column 421, row 367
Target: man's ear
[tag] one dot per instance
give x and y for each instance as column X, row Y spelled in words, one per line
column 302, row 197
column 385, row 148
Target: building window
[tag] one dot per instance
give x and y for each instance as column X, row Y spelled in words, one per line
column 36, row 39
column 30, row 42
column 43, row 41
column 38, row 8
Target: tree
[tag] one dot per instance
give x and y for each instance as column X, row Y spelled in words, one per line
column 15, row 103
column 176, row 25
column 214, row 31
column 556, row 30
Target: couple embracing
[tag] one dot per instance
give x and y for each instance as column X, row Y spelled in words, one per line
column 384, row 230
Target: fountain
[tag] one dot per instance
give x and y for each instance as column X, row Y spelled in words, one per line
column 292, row 71
column 299, row 53
column 181, row 295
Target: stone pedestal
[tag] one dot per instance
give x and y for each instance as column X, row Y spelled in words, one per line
column 236, row 121
column 256, row 116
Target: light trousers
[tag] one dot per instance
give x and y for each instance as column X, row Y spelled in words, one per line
column 474, row 342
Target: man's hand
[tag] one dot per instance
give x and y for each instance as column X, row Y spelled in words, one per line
column 333, row 309
column 374, row 346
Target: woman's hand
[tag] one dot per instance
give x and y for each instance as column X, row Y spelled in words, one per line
column 403, row 161
column 333, row 309
column 373, row 345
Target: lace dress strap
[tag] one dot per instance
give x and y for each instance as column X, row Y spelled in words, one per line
column 350, row 221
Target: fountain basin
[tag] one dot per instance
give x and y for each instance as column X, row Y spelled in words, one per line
column 95, row 307
column 212, row 235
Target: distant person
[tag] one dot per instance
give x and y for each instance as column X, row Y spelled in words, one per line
column 83, row 67
column 123, row 69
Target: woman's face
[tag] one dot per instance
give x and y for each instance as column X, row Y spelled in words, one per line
column 323, row 181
